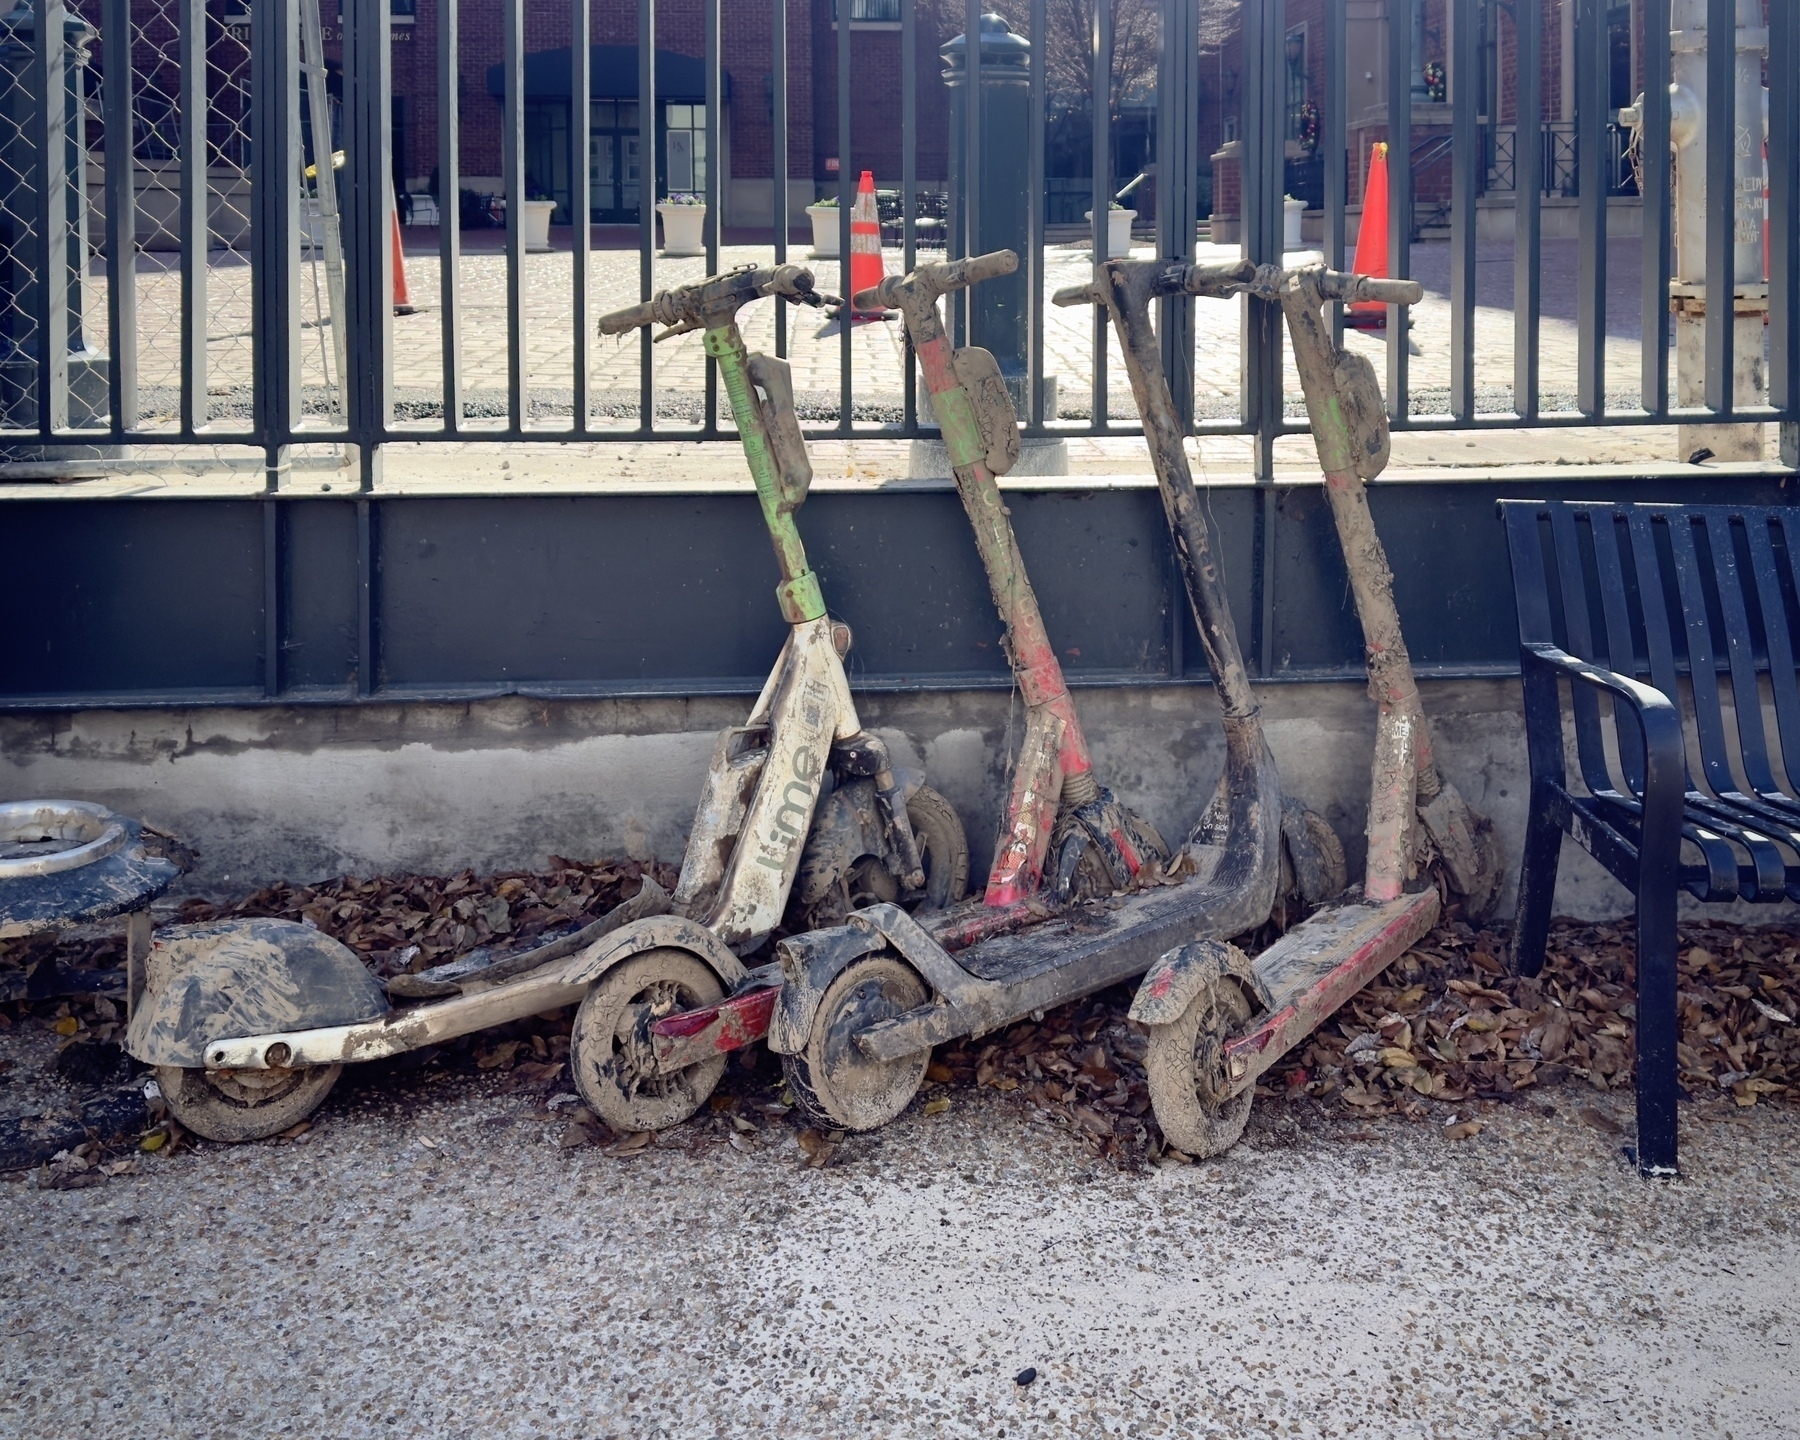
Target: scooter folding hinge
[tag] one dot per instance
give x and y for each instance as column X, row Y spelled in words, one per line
column 801, row 599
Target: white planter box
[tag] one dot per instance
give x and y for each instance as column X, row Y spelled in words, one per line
column 534, row 224
column 825, row 231
column 1291, row 213
column 684, row 228
column 1118, row 231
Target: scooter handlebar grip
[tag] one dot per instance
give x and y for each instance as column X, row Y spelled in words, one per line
column 1074, row 295
column 990, row 266
column 790, row 280
column 876, row 297
column 630, row 318
column 1369, row 289
column 1221, row 278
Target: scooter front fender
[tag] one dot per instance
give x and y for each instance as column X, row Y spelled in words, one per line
column 205, row 983
column 1173, row 982
column 809, row 963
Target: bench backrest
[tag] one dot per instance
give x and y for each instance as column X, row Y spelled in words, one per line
column 1708, row 593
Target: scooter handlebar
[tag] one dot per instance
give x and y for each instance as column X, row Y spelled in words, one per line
column 1220, row 279
column 685, row 304
column 1073, row 295
column 630, row 318
column 939, row 277
column 1369, row 289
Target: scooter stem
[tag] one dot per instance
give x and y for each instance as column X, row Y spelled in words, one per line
column 1390, row 669
column 1036, row 791
column 799, row 593
column 1126, row 288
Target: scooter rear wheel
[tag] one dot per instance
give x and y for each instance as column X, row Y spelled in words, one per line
column 1185, row 1066
column 231, row 1106
column 610, row 1047
column 837, row 1086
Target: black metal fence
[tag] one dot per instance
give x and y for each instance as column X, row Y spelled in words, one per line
column 189, row 109
column 64, row 399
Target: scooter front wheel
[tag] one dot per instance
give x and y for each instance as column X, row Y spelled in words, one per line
column 835, row 1084
column 236, row 1105
column 610, row 1052
column 1185, row 1066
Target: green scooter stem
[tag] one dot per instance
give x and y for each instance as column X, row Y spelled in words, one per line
column 798, row 593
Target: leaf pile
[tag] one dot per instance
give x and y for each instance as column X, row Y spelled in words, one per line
column 1446, row 1025
column 407, row 923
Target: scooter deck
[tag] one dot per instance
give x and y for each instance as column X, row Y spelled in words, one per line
column 1313, row 969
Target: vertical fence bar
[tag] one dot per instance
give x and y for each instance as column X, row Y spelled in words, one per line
column 971, row 210
column 1591, row 78
column 1402, row 64
column 1654, row 162
column 715, row 212
column 778, row 159
column 450, row 210
column 1528, row 185
column 1177, row 131
column 846, row 198
column 647, row 161
column 121, row 218
column 1465, row 158
column 512, row 176
column 1784, row 222
column 1034, row 222
column 368, row 123
column 368, row 244
column 1264, row 133
column 1721, row 199
column 580, row 207
column 50, row 79
column 909, row 198
column 1101, row 90
column 274, row 183
column 192, row 205
column 1334, row 142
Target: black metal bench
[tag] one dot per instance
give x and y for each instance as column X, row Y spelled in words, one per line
column 1703, row 603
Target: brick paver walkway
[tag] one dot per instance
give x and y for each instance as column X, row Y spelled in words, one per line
column 877, row 355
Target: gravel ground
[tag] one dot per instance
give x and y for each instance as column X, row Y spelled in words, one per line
column 429, row 1260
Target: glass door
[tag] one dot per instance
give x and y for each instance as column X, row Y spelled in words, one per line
column 613, row 167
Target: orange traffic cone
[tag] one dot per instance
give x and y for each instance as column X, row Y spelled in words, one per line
column 866, row 270
column 402, row 299
column 1372, row 239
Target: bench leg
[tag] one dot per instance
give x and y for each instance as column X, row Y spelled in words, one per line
column 1537, row 887
column 1658, row 1026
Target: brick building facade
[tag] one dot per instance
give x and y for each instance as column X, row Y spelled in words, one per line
column 746, row 122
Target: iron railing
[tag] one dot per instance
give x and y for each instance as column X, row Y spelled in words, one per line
column 227, row 337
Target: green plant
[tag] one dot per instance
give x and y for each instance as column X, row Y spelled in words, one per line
column 684, row 197
column 829, row 202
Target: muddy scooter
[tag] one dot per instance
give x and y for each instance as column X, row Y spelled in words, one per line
column 1057, row 809
column 249, row 1023
column 863, row 1003
column 1218, row 1020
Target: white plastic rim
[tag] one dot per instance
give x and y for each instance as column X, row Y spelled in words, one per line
column 92, row 831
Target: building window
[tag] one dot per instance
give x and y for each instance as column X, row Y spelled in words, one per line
column 1294, row 48
column 1618, row 56
column 686, row 125
column 882, row 12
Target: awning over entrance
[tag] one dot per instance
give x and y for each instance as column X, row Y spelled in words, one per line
column 613, row 74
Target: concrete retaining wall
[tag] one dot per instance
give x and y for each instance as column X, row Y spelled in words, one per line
column 305, row 792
